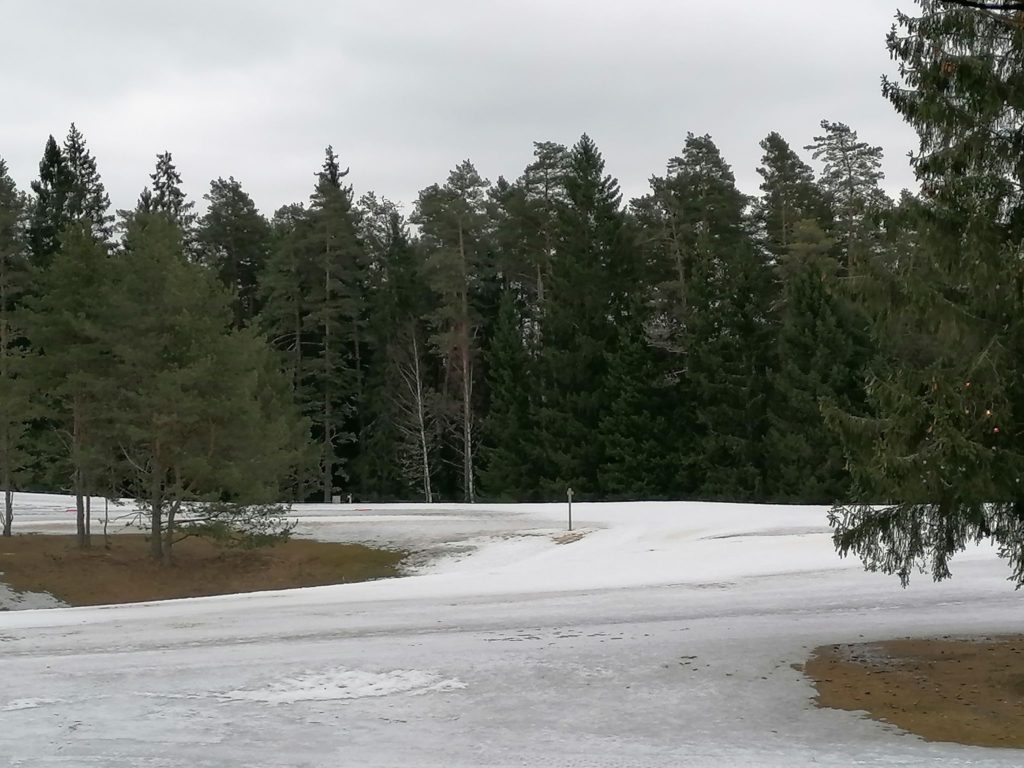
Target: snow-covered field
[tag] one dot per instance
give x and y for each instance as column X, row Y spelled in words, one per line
column 663, row 637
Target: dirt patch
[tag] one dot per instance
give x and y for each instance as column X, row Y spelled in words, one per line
column 124, row 573
column 965, row 690
column 569, row 538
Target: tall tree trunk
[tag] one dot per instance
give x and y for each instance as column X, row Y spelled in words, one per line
column 300, row 481
column 6, row 459
column 8, row 508
column 359, row 373
column 156, row 519
column 467, row 381
column 168, row 554
column 328, row 442
column 421, row 417
column 78, row 480
column 83, row 539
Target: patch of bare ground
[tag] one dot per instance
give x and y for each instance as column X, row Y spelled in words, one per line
column 968, row 690
column 124, row 572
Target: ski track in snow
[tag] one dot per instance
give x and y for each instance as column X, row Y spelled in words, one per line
column 665, row 635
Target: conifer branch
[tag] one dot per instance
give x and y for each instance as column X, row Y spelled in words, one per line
column 987, row 6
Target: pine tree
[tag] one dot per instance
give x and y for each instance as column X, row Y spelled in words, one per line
column 87, row 199
column 65, row 325
column 13, row 399
column 205, row 418
column 714, row 313
column 453, row 221
column 945, row 447
column 49, row 213
column 851, row 176
column 233, row 239
column 789, row 195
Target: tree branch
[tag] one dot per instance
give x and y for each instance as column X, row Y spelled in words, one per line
column 988, row 6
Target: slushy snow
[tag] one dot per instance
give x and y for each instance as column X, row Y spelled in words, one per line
column 666, row 635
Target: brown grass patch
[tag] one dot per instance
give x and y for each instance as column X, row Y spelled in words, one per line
column 124, row 573
column 965, row 690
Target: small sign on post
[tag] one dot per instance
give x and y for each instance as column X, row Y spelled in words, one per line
column 568, row 496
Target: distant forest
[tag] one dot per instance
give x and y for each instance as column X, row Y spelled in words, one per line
column 505, row 341
column 819, row 342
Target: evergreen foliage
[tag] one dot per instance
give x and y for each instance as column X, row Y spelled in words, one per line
column 507, row 432
column 233, row 239
column 790, row 195
column 715, row 304
column 590, row 272
column 818, row 362
column 851, row 176
column 166, row 196
column 945, row 449
column 49, row 213
column 453, row 222
column 87, row 199
column 207, row 416
column 66, row 326
column 13, row 392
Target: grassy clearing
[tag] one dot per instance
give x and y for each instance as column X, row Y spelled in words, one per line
column 124, row 573
column 967, row 690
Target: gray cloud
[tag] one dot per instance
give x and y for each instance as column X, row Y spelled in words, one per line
column 405, row 90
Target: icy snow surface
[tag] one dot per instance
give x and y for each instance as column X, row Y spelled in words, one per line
column 663, row 637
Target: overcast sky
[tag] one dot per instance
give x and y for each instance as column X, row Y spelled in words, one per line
column 405, row 90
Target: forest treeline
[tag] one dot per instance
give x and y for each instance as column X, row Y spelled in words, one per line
column 817, row 342
column 507, row 340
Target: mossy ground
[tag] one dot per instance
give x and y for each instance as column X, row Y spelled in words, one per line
column 124, row 572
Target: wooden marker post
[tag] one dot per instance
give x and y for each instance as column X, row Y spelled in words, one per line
column 568, row 496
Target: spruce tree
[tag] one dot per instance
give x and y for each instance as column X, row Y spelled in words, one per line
column 87, row 199
column 284, row 315
column 334, row 320
column 166, row 196
column 233, row 239
column 49, row 214
column 945, row 450
column 399, row 436
column 13, row 394
column 507, row 431
column 639, row 436
column 820, row 344
column 589, row 285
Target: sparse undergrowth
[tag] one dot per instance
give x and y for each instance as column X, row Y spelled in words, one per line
column 125, row 573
